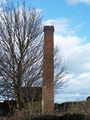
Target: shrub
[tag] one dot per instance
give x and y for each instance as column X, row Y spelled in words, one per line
column 73, row 117
column 64, row 117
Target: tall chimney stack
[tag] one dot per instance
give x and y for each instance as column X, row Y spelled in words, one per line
column 48, row 71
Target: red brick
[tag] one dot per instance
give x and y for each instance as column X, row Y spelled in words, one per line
column 48, row 71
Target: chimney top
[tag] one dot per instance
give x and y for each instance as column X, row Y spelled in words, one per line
column 49, row 28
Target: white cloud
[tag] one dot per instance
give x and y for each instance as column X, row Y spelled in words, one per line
column 63, row 26
column 68, row 43
column 73, row 2
column 76, row 89
column 79, row 58
column 70, row 97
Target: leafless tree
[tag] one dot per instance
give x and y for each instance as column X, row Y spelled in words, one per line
column 60, row 70
column 21, row 52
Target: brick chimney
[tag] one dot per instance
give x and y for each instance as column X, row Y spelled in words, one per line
column 48, row 71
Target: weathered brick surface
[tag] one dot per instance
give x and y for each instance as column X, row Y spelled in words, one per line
column 48, row 71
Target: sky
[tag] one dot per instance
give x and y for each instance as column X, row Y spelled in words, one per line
column 71, row 20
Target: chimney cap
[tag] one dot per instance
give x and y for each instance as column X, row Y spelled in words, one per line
column 49, row 28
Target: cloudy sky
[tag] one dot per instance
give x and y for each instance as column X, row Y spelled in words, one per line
column 71, row 19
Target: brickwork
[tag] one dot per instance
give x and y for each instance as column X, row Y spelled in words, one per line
column 48, row 71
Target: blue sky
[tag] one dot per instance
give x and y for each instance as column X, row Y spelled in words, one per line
column 63, row 9
column 71, row 19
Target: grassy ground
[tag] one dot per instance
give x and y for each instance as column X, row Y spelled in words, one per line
column 65, row 111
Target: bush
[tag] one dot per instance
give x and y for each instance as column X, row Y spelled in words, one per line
column 46, row 117
column 73, row 117
column 64, row 117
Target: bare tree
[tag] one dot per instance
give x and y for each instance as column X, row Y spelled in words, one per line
column 21, row 52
